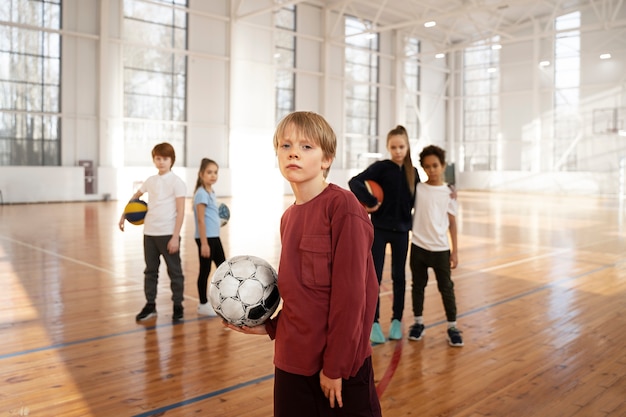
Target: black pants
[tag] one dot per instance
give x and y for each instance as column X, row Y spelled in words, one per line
column 302, row 396
column 421, row 260
column 399, row 242
column 217, row 256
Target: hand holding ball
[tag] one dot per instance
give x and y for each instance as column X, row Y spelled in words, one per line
column 244, row 291
column 224, row 213
column 135, row 211
column 375, row 189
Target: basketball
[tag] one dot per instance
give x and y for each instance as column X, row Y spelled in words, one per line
column 135, row 211
column 375, row 189
column 224, row 213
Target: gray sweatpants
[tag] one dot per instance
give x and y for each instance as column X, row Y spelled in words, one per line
column 153, row 248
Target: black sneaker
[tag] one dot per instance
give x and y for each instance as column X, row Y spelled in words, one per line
column 416, row 332
column 178, row 313
column 454, row 337
column 149, row 310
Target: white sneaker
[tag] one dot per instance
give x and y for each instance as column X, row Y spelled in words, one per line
column 206, row 310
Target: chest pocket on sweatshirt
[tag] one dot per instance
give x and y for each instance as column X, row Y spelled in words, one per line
column 316, row 260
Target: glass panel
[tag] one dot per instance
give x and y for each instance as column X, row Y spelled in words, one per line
column 480, row 107
column 286, row 18
column 361, row 92
column 30, row 83
column 285, row 60
column 146, row 134
column 154, row 80
column 567, row 91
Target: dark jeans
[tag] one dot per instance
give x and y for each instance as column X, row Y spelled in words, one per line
column 217, row 256
column 302, row 396
column 399, row 242
column 421, row 260
column 153, row 248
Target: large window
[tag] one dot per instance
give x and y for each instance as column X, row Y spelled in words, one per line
column 481, row 128
column 155, row 77
column 285, row 59
column 361, row 93
column 566, row 91
column 30, row 82
column 412, row 86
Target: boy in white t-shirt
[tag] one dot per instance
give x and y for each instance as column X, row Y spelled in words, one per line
column 434, row 219
column 161, row 230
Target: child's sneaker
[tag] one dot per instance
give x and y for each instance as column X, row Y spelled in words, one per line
column 395, row 331
column 206, row 310
column 454, row 337
column 377, row 336
column 149, row 310
column 178, row 313
column 416, row 332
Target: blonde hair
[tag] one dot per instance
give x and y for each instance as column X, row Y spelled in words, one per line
column 409, row 169
column 311, row 126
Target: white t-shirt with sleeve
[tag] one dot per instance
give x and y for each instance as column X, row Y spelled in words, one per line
column 162, row 193
column 430, row 217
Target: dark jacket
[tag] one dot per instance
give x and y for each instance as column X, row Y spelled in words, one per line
column 395, row 211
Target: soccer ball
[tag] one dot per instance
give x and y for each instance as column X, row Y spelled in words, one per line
column 243, row 291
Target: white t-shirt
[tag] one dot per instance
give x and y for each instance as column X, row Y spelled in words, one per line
column 430, row 217
column 162, row 193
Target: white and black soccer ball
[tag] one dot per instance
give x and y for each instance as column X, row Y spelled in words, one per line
column 244, row 290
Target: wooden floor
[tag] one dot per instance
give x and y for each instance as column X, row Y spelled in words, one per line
column 541, row 290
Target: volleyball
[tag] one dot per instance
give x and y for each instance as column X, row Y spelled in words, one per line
column 375, row 189
column 224, row 213
column 244, row 290
column 135, row 211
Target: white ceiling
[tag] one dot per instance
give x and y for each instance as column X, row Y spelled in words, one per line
column 461, row 22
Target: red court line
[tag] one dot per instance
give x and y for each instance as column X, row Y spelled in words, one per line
column 391, row 369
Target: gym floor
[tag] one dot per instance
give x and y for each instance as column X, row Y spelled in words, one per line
column 541, row 293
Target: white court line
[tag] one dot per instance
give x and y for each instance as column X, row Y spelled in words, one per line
column 506, row 265
column 67, row 258
column 79, row 262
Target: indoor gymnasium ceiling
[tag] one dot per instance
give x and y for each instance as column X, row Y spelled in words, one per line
column 460, row 22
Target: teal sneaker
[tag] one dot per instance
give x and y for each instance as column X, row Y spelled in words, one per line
column 395, row 332
column 377, row 336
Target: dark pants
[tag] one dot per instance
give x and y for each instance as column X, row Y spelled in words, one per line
column 421, row 260
column 302, row 396
column 153, row 248
column 399, row 242
column 217, row 256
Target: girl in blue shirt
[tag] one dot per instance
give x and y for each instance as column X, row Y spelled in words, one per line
column 207, row 236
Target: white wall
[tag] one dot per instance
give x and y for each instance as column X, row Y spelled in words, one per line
column 41, row 184
column 554, row 183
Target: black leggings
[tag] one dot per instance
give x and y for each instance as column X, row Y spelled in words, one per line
column 399, row 242
column 217, row 256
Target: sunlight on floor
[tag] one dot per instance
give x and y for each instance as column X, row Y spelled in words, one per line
column 14, row 293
